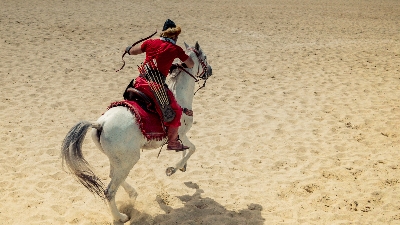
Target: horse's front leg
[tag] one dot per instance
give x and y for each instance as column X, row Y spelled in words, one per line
column 181, row 165
column 183, row 169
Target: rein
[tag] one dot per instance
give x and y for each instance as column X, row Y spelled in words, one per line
column 190, row 74
column 201, row 75
column 143, row 39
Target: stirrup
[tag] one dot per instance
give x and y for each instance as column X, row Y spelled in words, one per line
column 178, row 148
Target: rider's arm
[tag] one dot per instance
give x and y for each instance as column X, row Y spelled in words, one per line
column 135, row 50
column 189, row 62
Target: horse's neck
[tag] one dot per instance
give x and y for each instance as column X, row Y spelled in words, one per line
column 183, row 87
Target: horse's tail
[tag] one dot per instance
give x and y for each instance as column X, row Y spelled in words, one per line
column 71, row 153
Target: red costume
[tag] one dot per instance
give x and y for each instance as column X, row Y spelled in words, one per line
column 164, row 52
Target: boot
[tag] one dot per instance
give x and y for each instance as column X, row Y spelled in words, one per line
column 173, row 141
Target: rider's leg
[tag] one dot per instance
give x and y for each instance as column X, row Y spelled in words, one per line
column 173, row 126
column 173, row 141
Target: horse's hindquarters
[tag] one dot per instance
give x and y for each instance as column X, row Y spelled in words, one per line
column 120, row 134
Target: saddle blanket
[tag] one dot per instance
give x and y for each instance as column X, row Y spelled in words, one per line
column 149, row 123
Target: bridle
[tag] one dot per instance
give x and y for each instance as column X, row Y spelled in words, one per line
column 203, row 75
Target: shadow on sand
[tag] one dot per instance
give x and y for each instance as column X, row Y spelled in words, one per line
column 196, row 210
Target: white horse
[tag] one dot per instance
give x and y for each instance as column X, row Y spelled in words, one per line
column 117, row 134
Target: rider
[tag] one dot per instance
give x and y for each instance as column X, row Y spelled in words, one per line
column 164, row 50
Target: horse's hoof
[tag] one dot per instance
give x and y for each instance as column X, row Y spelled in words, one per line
column 123, row 218
column 170, row 171
column 183, row 169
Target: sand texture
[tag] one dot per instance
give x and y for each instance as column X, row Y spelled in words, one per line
column 299, row 123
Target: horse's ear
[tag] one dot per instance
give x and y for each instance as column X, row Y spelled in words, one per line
column 197, row 46
column 186, row 45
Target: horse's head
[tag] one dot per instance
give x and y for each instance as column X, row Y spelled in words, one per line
column 204, row 70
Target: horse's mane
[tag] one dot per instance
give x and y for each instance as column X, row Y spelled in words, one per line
column 173, row 77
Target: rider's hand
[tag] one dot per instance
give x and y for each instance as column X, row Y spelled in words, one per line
column 173, row 67
column 187, row 111
column 128, row 49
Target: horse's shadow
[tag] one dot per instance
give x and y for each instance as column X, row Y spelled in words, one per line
column 196, row 210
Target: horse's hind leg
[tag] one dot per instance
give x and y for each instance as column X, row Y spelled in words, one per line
column 118, row 175
column 127, row 187
column 130, row 190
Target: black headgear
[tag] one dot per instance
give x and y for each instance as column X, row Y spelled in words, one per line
column 168, row 24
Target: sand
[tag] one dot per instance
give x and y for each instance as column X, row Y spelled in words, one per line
column 299, row 123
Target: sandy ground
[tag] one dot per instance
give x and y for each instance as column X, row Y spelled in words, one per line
column 299, row 123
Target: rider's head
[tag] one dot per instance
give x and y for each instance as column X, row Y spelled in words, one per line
column 170, row 30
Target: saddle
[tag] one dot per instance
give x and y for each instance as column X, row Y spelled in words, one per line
column 149, row 104
column 143, row 108
column 133, row 94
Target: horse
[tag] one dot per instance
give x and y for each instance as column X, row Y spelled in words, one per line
column 117, row 134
